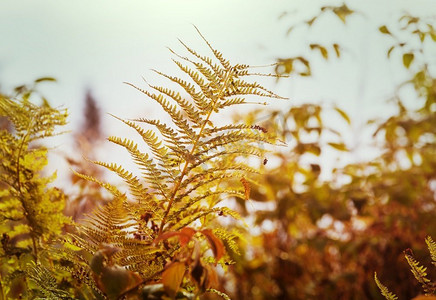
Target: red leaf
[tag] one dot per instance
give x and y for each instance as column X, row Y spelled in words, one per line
column 215, row 243
column 186, row 235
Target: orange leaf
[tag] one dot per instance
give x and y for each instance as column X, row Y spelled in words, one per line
column 247, row 188
column 165, row 236
column 172, row 278
column 215, row 243
column 185, row 235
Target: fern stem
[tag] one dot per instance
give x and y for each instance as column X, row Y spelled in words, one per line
column 194, row 147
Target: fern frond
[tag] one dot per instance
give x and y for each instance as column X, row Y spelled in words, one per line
column 192, row 217
column 238, row 127
column 200, row 98
column 195, row 200
column 254, row 88
column 188, row 108
column 203, row 212
column 384, row 290
column 214, row 77
column 224, row 62
column 231, row 138
column 213, row 72
column 210, row 175
column 135, row 186
column 106, row 223
column 109, row 187
column 43, row 277
column 432, row 248
column 419, row 272
column 149, row 169
column 223, row 155
column 229, row 238
column 207, row 86
column 231, row 102
column 176, row 115
column 188, row 167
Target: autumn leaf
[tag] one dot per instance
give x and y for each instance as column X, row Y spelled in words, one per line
column 184, row 235
column 215, row 243
column 383, row 29
column 342, row 12
column 337, row 50
column 338, row 146
column 44, row 79
column 247, row 188
column 390, row 51
column 322, row 49
column 343, row 115
column 172, row 278
column 407, row 59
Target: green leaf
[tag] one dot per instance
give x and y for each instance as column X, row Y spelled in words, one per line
column 407, row 59
column 383, row 29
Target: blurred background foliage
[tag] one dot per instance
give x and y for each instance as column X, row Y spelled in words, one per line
column 325, row 238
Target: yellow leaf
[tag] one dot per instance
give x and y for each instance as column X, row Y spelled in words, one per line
column 343, row 115
column 322, row 49
column 172, row 278
column 337, row 49
column 407, row 59
column 383, row 29
column 338, row 146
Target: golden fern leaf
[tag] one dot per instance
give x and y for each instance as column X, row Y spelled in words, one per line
column 42, row 276
column 149, row 169
column 109, row 187
column 419, row 272
column 432, row 248
column 192, row 113
column 384, row 290
column 138, row 191
column 229, row 238
column 172, row 110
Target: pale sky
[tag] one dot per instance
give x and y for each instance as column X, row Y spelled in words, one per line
column 100, row 44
